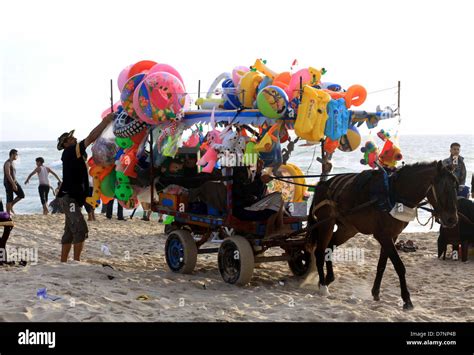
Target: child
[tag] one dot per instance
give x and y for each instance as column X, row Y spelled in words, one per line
column 44, row 185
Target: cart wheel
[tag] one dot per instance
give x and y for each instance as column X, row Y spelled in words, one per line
column 236, row 260
column 300, row 262
column 181, row 252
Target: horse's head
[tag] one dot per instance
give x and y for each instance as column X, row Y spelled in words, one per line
column 442, row 195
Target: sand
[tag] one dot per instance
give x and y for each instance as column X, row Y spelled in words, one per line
column 441, row 290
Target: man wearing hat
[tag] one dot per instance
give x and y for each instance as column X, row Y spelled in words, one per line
column 75, row 187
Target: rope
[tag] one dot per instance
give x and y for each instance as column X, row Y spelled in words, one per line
column 312, row 160
column 381, row 90
column 428, row 221
column 291, row 182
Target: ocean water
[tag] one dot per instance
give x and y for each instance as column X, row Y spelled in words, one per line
column 415, row 148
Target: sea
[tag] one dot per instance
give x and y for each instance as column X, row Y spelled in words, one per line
column 415, row 148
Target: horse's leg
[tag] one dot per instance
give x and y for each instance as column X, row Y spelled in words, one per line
column 324, row 237
column 389, row 248
column 378, row 278
column 329, row 270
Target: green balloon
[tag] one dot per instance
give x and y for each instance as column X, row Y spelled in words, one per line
column 123, row 192
column 124, row 143
column 107, row 186
column 122, row 178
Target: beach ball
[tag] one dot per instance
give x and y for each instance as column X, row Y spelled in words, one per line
column 123, row 192
column 272, row 102
column 350, row 141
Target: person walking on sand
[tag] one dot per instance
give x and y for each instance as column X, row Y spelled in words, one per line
column 75, row 187
column 44, row 186
column 456, row 163
column 10, row 183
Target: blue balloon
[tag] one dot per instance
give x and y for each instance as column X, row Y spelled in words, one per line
column 230, row 96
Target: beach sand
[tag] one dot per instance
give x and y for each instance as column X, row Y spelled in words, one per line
column 441, row 290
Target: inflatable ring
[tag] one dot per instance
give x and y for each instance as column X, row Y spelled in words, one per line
column 290, row 192
column 126, row 126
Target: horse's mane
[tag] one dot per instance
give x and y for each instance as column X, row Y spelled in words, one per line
column 411, row 168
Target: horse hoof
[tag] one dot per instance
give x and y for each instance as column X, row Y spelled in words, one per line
column 324, row 291
column 408, row 306
column 329, row 280
column 376, row 297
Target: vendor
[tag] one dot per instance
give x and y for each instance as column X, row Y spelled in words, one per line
column 248, row 189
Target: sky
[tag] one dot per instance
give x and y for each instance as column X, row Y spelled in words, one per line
column 57, row 57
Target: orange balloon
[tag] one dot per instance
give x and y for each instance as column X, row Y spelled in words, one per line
column 282, row 80
column 141, row 67
column 330, row 145
column 105, row 200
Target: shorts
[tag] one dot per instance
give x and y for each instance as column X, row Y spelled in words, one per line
column 9, row 191
column 43, row 192
column 75, row 228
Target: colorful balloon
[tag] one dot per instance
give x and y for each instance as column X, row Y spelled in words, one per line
column 272, row 102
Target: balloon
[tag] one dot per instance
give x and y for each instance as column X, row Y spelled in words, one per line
column 141, row 67
column 123, row 192
column 237, row 74
column 248, row 88
column 127, row 93
column 231, row 100
column 159, row 98
column 104, row 151
column 105, row 200
column 262, row 68
column 338, row 119
column 294, row 85
column 123, row 77
column 107, row 186
column 350, row 141
column 272, row 102
column 282, row 80
column 167, row 69
column 124, row 143
column 108, row 110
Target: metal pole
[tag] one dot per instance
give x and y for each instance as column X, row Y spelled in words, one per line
column 398, row 98
column 152, row 162
column 199, row 91
column 111, row 97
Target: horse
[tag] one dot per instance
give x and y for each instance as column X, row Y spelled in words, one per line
column 345, row 201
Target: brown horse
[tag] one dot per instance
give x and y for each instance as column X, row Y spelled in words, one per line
column 347, row 201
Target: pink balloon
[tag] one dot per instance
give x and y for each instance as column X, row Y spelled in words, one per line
column 237, row 74
column 294, row 86
column 167, row 69
column 106, row 112
column 123, row 77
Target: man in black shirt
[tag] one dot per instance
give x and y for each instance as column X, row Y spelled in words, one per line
column 75, row 187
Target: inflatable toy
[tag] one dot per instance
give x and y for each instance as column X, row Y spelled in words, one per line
column 309, row 76
column 272, row 102
column 371, row 152
column 210, row 102
column 238, row 73
column 248, row 88
column 260, row 65
column 312, row 114
column 141, row 67
column 267, row 81
column 115, row 108
column 125, row 125
column 123, row 77
column 209, row 159
column 390, row 154
column 124, row 143
column 167, row 69
column 282, row 80
column 229, row 95
column 350, row 141
column 94, row 200
column 354, row 96
column 272, row 158
column 289, row 192
column 330, row 145
column 127, row 93
column 268, row 141
column 338, row 119
column 104, row 151
column 330, row 86
column 107, row 185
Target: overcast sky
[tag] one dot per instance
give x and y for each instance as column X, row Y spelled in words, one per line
column 57, row 57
